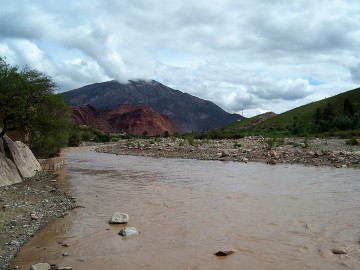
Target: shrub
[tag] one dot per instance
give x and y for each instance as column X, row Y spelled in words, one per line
column 237, row 145
column 351, row 141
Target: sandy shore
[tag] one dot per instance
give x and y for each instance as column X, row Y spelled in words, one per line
column 25, row 208
column 314, row 152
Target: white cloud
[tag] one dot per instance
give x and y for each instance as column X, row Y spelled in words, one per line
column 252, row 55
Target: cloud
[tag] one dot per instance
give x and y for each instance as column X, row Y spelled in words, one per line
column 283, row 89
column 253, row 55
column 76, row 72
column 355, row 73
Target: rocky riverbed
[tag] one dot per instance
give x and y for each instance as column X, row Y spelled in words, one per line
column 309, row 151
column 25, row 208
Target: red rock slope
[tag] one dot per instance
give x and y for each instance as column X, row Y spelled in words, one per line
column 132, row 119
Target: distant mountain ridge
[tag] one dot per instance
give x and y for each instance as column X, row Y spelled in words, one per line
column 190, row 113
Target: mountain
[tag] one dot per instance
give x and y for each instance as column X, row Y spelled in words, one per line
column 132, row 119
column 190, row 113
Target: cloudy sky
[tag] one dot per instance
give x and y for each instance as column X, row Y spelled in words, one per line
column 269, row 55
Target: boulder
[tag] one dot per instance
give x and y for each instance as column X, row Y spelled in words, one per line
column 8, row 172
column 31, row 162
column 119, row 218
column 40, row 266
column 16, row 162
column 23, row 158
column 128, row 231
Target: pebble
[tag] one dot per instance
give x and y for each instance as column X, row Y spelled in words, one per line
column 223, row 253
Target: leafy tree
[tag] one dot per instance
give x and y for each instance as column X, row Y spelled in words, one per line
column 317, row 115
column 328, row 113
column 342, row 122
column 29, row 106
column 348, row 108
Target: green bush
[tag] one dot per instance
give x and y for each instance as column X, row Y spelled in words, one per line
column 351, row 141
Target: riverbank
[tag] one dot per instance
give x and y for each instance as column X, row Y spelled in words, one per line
column 315, row 152
column 27, row 207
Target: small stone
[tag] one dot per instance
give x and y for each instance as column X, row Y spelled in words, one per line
column 224, row 154
column 65, row 254
column 54, row 267
column 34, row 216
column 338, row 252
column 119, row 218
column 14, row 243
column 223, row 253
column 40, row 266
column 271, row 162
column 273, row 154
column 128, row 231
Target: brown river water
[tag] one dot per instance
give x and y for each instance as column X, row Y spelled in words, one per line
column 273, row 217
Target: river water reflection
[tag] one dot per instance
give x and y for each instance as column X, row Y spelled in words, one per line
column 273, row 217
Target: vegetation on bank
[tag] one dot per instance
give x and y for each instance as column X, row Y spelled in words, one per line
column 31, row 111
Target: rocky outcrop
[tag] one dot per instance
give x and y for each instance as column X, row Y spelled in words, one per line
column 84, row 115
column 8, row 171
column 132, row 119
column 16, row 162
column 189, row 113
column 139, row 119
column 257, row 120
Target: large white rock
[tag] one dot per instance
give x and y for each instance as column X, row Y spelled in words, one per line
column 40, row 266
column 16, row 162
column 119, row 218
column 22, row 157
column 31, row 162
column 8, row 172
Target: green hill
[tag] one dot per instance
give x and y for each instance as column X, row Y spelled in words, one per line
column 334, row 116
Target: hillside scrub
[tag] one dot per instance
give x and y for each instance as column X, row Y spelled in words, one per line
column 335, row 116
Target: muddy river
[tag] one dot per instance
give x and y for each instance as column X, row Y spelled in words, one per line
column 272, row 217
